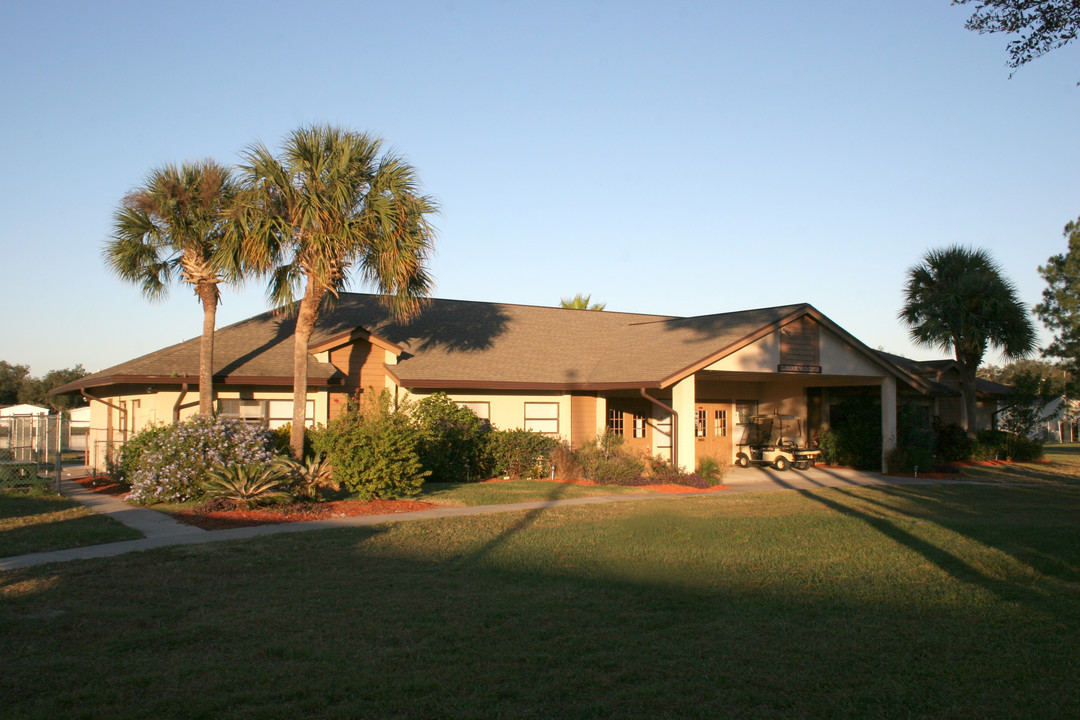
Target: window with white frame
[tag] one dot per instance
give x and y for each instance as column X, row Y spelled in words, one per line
column 639, row 426
column 481, row 408
column 542, row 417
column 267, row 413
column 615, row 422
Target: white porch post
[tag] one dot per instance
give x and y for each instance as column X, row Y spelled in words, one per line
column 601, row 415
column 888, row 419
column 683, row 397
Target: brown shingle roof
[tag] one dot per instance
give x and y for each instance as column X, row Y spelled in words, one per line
column 456, row 343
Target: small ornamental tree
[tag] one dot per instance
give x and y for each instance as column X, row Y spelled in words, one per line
column 178, row 458
column 373, row 447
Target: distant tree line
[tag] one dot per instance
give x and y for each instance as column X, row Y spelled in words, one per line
column 18, row 387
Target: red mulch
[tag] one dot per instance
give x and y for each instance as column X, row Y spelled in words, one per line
column 300, row 512
column 103, row 485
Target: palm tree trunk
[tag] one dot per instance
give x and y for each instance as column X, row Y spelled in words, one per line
column 209, row 298
column 971, row 403
column 306, row 318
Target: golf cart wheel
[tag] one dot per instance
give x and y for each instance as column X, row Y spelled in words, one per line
column 802, row 466
column 742, row 461
column 780, row 463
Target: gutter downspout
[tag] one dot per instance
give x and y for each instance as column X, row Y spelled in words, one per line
column 179, row 400
column 674, row 425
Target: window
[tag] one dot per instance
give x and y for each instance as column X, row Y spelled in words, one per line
column 615, row 422
column 542, row 417
column 720, row 423
column 700, row 429
column 639, row 426
column 482, row 409
column 267, row 413
column 123, row 416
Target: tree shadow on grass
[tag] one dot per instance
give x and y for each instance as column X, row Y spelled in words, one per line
column 892, row 520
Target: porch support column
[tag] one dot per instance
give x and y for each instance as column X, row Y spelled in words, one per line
column 888, row 419
column 601, row 415
column 683, row 397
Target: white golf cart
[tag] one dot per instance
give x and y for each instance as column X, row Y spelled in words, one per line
column 774, row 440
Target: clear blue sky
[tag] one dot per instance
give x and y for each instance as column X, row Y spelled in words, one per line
column 682, row 158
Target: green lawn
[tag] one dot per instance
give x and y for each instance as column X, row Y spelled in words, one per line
column 514, row 491
column 39, row 521
column 1061, row 464
column 901, row 602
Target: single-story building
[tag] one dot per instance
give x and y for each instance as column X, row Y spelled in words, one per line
column 674, row 386
column 1060, row 420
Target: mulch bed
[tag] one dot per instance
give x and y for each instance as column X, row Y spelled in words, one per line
column 103, row 485
column 300, row 512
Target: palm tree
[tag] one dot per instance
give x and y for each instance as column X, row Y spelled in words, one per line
column 333, row 204
column 581, row 302
column 172, row 228
column 957, row 299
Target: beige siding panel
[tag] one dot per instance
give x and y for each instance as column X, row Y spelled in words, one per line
column 363, row 365
column 582, row 419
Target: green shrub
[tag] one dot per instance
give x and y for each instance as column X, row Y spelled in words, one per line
column 453, row 440
column 124, row 463
column 606, row 462
column 661, row 471
column 952, row 444
column 1001, row 445
column 712, row 469
column 177, row 459
column 854, row 440
column 281, row 436
column 247, row 484
column 373, row 449
column 520, row 453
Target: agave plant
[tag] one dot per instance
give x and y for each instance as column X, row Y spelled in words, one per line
column 309, row 476
column 246, row 483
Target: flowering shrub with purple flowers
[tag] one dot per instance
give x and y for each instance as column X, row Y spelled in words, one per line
column 176, row 462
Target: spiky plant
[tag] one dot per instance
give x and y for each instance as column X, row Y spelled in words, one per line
column 310, row 476
column 247, row 484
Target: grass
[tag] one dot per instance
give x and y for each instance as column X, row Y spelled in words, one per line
column 1061, row 465
column 39, row 520
column 901, row 602
column 513, row 491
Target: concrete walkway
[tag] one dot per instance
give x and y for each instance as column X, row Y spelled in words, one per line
column 161, row 530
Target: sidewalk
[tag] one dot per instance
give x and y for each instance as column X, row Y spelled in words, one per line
column 161, row 530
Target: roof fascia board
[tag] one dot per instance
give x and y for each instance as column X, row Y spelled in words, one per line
column 437, row 383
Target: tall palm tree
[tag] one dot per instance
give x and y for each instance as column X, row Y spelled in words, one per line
column 331, row 205
column 581, row 302
column 172, row 228
column 957, row 299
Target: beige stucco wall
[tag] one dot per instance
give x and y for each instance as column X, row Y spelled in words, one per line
column 507, row 410
column 156, row 408
column 837, row 357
